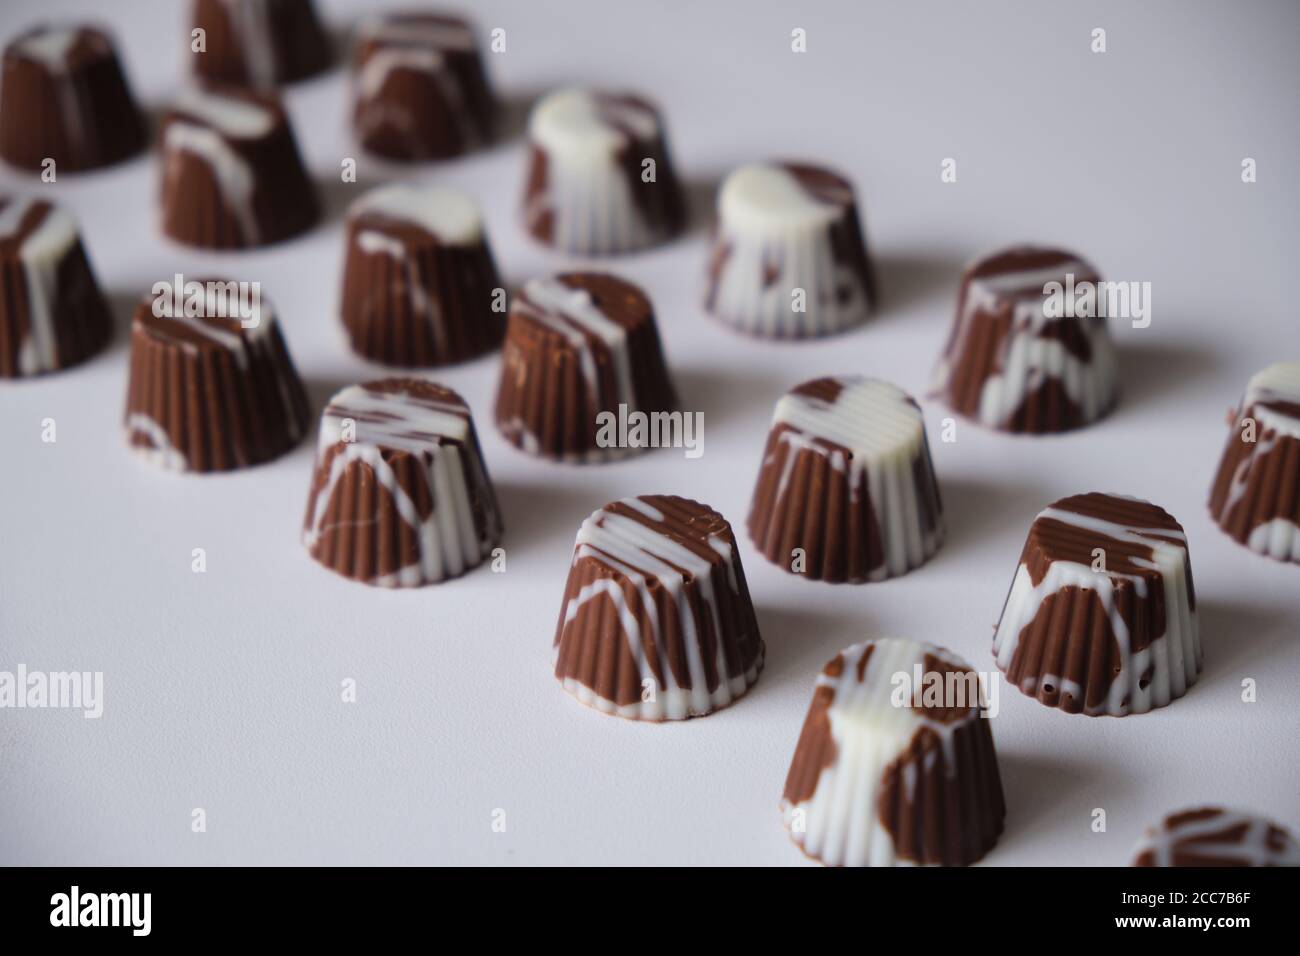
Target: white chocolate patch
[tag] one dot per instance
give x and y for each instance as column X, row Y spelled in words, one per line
column 447, row 214
column 229, row 115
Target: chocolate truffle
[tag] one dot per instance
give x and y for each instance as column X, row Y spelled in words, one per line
column 259, row 43
column 656, row 622
column 1214, row 836
column 1020, row 359
column 400, row 496
column 52, row 314
column 846, row 490
column 875, row 782
column 1101, row 616
column 212, row 386
column 421, row 91
column 788, row 257
column 232, row 176
column 64, row 97
column 420, row 283
column 1256, row 494
column 600, row 179
column 579, row 347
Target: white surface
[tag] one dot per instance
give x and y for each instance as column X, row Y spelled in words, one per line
column 223, row 689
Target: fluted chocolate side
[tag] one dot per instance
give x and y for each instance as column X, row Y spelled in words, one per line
column 562, row 366
column 208, row 395
column 943, row 808
column 683, row 646
column 415, row 301
column 1269, row 474
column 226, row 191
column 259, row 43
column 400, row 496
column 64, row 97
column 1255, row 497
column 52, row 314
column 421, row 90
column 661, row 204
column 1068, row 653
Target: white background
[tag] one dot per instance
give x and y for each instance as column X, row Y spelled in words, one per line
column 223, row 689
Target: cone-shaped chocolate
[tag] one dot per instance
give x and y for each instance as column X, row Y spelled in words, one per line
column 1101, row 616
column 1215, row 836
column 420, row 286
column 789, row 259
column 232, row 176
column 1021, row 359
column 259, row 43
column 600, row 179
column 400, row 496
column 846, row 490
column 880, row 779
column 420, row 89
column 1256, row 493
column 212, row 385
column 582, row 354
column 52, row 314
column 64, row 97
column 657, row 622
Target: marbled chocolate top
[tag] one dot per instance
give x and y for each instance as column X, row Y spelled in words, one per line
column 1214, row 836
column 1273, row 398
column 447, row 216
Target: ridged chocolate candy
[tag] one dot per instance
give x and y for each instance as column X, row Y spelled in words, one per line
column 880, row 779
column 789, row 259
column 657, row 623
column 1214, row 836
column 600, row 179
column 1101, row 616
column 52, row 314
column 212, row 387
column 1011, row 362
column 846, row 490
column 420, row 286
column 259, row 43
column 64, row 97
column 1256, row 493
column 232, row 176
column 579, row 345
column 420, row 89
column 400, row 496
